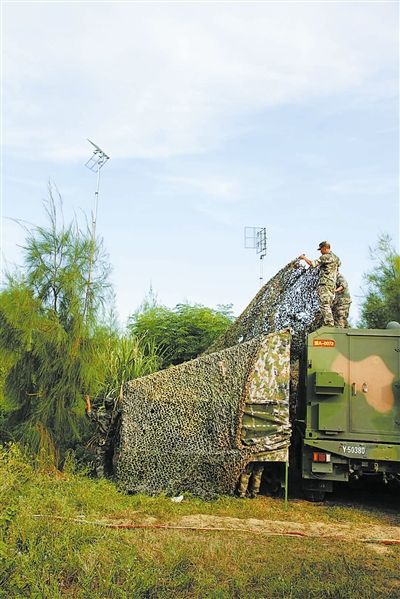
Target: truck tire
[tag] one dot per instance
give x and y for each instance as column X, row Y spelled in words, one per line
column 314, row 496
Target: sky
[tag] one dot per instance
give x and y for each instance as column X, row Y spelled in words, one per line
column 216, row 116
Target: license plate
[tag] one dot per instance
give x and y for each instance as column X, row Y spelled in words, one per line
column 354, row 450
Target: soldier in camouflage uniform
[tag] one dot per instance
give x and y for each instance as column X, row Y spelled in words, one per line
column 341, row 303
column 250, row 480
column 105, row 420
column 329, row 264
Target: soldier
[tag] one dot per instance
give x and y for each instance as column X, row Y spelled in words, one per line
column 341, row 303
column 329, row 264
column 250, row 480
column 104, row 418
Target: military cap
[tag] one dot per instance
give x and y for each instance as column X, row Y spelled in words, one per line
column 324, row 244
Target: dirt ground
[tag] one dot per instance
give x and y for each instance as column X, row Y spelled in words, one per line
column 376, row 537
column 386, row 535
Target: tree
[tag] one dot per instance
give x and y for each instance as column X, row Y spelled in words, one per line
column 181, row 333
column 381, row 303
column 48, row 320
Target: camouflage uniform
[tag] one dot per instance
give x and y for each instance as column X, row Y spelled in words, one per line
column 104, row 418
column 341, row 303
column 250, row 479
column 329, row 264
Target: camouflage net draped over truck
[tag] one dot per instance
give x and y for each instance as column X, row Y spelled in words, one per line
column 288, row 300
column 194, row 427
column 181, row 427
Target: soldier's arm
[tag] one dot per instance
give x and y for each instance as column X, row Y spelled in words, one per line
column 341, row 284
column 311, row 263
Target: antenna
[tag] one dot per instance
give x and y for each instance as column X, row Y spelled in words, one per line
column 255, row 238
column 94, row 164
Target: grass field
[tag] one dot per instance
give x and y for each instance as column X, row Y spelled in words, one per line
column 56, row 541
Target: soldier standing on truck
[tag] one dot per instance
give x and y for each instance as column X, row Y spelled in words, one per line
column 105, row 418
column 329, row 264
column 341, row 303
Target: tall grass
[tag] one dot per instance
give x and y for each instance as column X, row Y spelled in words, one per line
column 123, row 359
column 46, row 557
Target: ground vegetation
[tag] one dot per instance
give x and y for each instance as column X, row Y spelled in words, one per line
column 66, row 535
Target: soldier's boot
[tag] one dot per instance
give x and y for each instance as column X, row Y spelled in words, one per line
column 243, row 483
column 256, row 481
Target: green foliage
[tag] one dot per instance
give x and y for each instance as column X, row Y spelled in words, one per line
column 6, row 361
column 122, row 359
column 182, row 333
column 48, row 316
column 65, row 267
column 382, row 299
column 54, row 544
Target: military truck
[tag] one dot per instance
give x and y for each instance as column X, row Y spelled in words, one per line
column 197, row 426
column 348, row 419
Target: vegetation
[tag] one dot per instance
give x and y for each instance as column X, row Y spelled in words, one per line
column 182, row 333
column 122, row 358
column 56, row 527
column 53, row 346
column 48, row 316
column 382, row 299
column 54, row 544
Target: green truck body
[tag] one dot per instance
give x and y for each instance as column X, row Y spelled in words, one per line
column 350, row 407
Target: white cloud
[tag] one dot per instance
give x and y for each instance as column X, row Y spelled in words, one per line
column 223, row 189
column 365, row 186
column 161, row 80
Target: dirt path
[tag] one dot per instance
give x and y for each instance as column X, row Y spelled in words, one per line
column 344, row 532
column 378, row 537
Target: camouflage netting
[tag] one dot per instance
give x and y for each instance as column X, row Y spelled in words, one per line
column 194, row 427
column 181, row 427
column 288, row 300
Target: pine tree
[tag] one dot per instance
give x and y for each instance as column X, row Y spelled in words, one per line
column 48, row 324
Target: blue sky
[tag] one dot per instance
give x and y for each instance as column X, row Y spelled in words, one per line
column 216, row 116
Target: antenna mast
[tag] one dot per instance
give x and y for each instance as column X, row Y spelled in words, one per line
column 255, row 238
column 95, row 163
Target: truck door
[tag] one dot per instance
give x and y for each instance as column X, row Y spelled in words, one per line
column 374, row 385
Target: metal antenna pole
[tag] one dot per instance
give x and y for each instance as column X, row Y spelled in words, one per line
column 96, row 206
column 261, row 271
column 95, row 162
column 256, row 238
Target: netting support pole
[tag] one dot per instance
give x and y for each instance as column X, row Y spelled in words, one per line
column 286, row 483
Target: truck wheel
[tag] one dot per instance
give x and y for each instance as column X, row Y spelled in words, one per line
column 314, row 496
